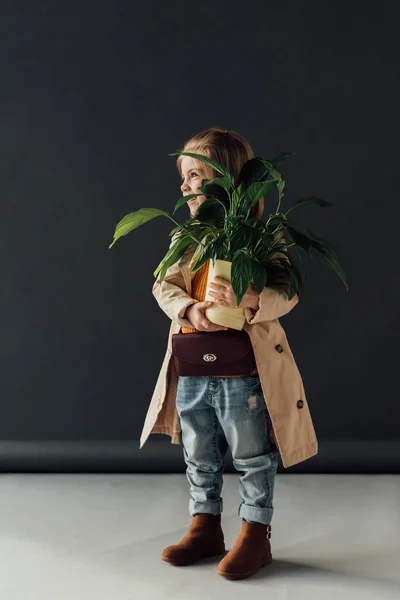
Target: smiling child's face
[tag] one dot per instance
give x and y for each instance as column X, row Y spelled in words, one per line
column 192, row 173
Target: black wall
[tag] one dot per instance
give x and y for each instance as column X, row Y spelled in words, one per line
column 94, row 95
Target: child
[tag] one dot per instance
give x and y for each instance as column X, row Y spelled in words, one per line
column 259, row 416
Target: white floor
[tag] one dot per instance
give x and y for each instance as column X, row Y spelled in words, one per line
column 100, row 536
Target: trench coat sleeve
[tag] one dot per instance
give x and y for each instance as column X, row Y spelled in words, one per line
column 172, row 298
column 273, row 304
column 273, row 301
column 171, row 295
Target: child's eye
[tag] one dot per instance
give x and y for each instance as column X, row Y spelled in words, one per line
column 191, row 174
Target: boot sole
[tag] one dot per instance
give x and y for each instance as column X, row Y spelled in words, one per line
column 237, row 576
column 184, row 563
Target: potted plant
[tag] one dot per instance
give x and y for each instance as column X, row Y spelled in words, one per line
column 241, row 249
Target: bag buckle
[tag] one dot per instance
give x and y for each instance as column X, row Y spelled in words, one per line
column 209, row 357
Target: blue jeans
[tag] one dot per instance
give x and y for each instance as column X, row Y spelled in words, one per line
column 216, row 413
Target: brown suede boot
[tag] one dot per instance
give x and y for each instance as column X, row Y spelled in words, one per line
column 251, row 551
column 203, row 538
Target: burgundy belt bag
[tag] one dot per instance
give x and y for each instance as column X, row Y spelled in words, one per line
column 215, row 353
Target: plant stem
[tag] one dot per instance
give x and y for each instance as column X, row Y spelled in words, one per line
column 279, row 203
column 258, row 243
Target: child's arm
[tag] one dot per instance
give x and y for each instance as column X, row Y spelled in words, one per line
column 171, row 295
column 273, row 304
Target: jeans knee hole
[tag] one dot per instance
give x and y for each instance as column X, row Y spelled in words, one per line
column 252, row 402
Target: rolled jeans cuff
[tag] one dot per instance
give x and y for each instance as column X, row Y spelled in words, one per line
column 212, row 508
column 254, row 513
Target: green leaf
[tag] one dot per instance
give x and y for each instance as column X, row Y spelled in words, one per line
column 259, row 277
column 300, row 239
column 180, row 244
column 280, row 158
column 212, row 190
column 271, row 170
column 199, row 252
column 224, row 182
column 218, row 247
column 330, row 255
column 296, row 281
column 241, row 274
column 253, row 170
column 301, row 256
column 309, row 200
column 327, row 251
column 256, row 191
column 257, row 224
column 175, row 252
column 211, row 212
column 134, row 219
column 242, row 236
column 281, row 186
column 276, row 222
column 204, row 256
column 258, row 169
column 184, row 200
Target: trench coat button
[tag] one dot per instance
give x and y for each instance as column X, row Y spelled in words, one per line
column 300, row 403
column 279, row 348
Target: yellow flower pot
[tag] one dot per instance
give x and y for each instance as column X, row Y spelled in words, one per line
column 233, row 318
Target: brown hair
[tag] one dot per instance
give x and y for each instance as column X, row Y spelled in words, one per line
column 229, row 149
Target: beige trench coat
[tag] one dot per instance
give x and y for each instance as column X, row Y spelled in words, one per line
column 293, row 432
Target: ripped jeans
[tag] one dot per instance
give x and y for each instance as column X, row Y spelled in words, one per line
column 218, row 412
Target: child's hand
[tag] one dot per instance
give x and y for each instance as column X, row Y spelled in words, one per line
column 195, row 314
column 222, row 292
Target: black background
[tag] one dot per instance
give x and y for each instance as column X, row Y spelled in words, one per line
column 94, row 95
